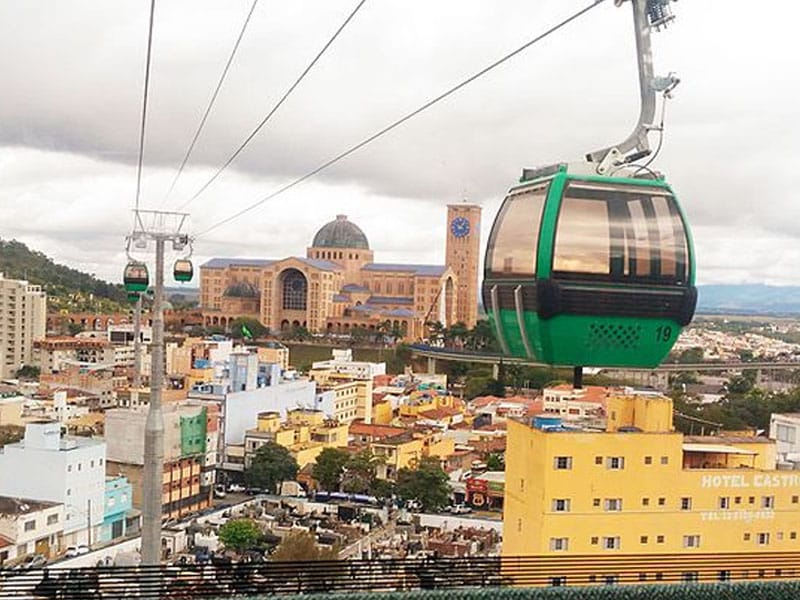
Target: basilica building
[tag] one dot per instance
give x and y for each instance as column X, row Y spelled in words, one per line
column 338, row 286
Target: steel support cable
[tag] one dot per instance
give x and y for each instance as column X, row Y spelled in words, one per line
column 275, row 108
column 401, row 120
column 144, row 103
column 211, row 102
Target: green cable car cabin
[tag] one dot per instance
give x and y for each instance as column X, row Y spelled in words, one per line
column 585, row 270
column 183, row 270
column 135, row 277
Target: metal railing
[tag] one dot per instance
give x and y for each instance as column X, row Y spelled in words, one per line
column 266, row 579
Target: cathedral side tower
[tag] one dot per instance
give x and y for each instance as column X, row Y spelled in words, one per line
column 462, row 254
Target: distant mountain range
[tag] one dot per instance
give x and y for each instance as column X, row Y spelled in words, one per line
column 748, row 299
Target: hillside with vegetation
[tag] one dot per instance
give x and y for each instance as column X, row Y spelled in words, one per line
column 67, row 288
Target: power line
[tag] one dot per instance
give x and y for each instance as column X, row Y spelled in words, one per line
column 144, row 103
column 401, row 120
column 264, row 121
column 211, row 102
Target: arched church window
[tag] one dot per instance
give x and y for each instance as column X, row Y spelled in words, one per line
column 295, row 290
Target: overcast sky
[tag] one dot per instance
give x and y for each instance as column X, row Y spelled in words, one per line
column 72, row 88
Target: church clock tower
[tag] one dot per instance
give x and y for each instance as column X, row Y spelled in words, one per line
column 462, row 255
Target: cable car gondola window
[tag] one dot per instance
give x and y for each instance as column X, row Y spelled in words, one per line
column 516, row 234
column 582, row 241
column 620, row 233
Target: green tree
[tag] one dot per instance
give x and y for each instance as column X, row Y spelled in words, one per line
column 691, row 355
column 28, row 372
column 495, row 462
column 271, row 464
column 483, row 386
column 301, row 546
column 74, row 328
column 482, row 337
column 299, row 333
column 239, row 534
column 427, row 484
column 10, row 434
column 359, row 472
column 329, row 468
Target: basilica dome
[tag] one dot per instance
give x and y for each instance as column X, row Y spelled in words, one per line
column 340, row 233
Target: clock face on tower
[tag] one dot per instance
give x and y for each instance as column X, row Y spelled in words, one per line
column 459, row 227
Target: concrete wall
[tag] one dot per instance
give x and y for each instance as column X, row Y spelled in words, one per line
column 242, row 408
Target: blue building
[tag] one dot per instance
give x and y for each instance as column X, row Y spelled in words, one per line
column 118, row 511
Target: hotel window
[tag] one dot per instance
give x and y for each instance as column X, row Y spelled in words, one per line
column 691, row 541
column 686, row 504
column 645, row 501
column 648, row 460
column 689, row 576
column 752, row 499
column 562, row 463
column 664, row 460
column 595, row 540
column 779, row 536
column 746, row 537
column 615, row 462
column 724, row 502
column 763, row 539
column 598, row 460
column 613, row 504
column 596, row 502
column 659, row 539
column 737, row 500
column 768, row 502
column 724, row 576
column 561, row 505
column 643, row 539
column 611, row 543
column 559, row 544
column 793, row 535
column 662, row 501
column 794, row 499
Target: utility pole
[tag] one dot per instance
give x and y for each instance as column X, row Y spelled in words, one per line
column 160, row 227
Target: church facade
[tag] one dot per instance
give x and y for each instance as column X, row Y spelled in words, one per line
column 338, row 286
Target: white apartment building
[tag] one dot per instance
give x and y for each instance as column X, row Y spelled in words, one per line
column 784, row 428
column 342, row 363
column 49, row 467
column 30, row 526
column 23, row 319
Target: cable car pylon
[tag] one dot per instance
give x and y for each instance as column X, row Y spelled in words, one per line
column 159, row 227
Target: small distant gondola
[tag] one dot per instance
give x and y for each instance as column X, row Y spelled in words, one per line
column 136, row 277
column 183, row 270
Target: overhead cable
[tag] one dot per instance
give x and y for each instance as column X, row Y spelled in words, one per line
column 275, row 108
column 401, row 120
column 211, row 102
column 144, row 104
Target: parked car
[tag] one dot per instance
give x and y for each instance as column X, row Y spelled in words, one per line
column 236, row 488
column 219, row 491
column 459, row 509
column 79, row 550
column 34, row 561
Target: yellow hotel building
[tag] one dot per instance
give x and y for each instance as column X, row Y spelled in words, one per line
column 639, row 502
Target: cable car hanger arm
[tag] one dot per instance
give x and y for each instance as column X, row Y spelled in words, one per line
column 646, row 15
